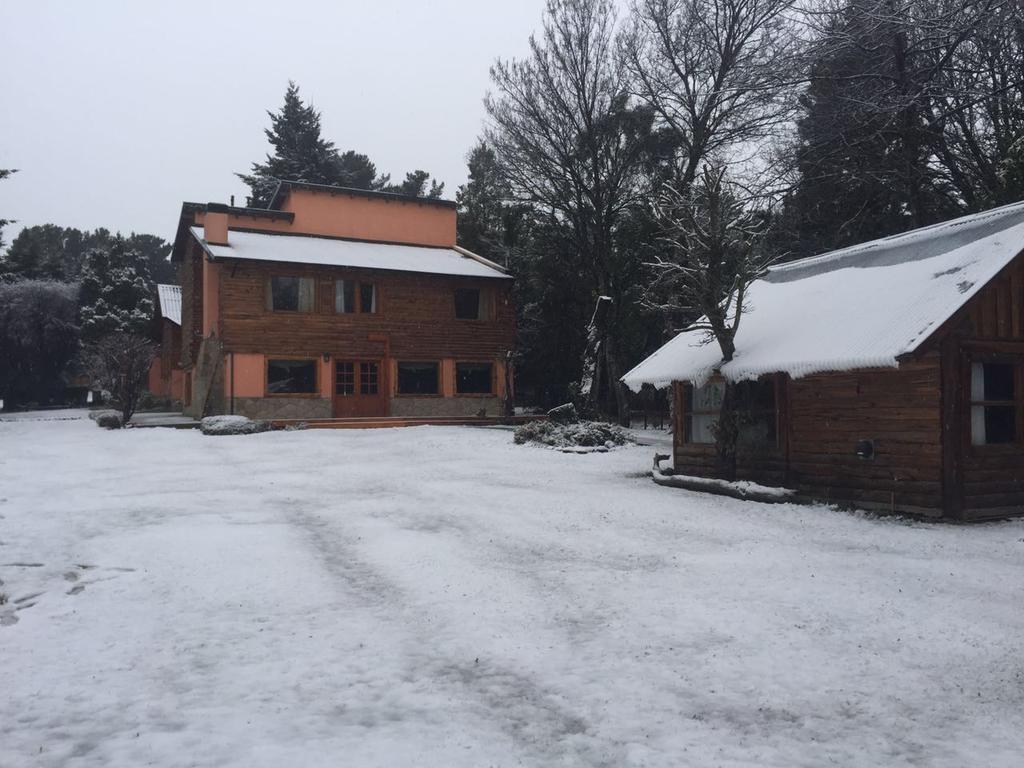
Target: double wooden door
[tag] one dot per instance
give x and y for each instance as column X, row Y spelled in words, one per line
column 359, row 388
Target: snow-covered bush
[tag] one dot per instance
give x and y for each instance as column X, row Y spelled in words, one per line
column 231, row 425
column 107, row 419
column 588, row 434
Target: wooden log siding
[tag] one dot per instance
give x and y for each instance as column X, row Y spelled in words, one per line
column 900, row 410
column 190, row 273
column 415, row 317
column 992, row 476
column 997, row 312
column 821, row 419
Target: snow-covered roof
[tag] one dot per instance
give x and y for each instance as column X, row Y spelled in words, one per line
column 298, row 249
column 170, row 302
column 859, row 307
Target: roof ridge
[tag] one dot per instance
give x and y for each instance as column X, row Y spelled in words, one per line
column 911, row 234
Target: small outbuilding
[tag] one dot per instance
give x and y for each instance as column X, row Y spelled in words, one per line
column 166, row 377
column 888, row 375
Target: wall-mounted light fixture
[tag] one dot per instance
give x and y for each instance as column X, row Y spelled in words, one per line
column 865, row 449
column 327, row 356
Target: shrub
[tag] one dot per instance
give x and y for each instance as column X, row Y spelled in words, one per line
column 580, row 434
column 107, row 419
column 231, row 425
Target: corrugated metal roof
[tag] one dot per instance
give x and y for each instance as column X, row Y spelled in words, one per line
column 860, row 307
column 170, row 302
column 299, row 249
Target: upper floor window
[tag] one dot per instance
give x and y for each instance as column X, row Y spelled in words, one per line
column 469, row 304
column 344, row 296
column 291, row 294
column 352, row 296
column 996, row 403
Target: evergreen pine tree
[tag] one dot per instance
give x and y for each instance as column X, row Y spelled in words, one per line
column 415, row 185
column 300, row 152
column 116, row 291
column 861, row 151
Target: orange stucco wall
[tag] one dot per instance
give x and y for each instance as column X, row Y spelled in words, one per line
column 177, row 384
column 155, row 382
column 325, row 381
column 371, row 219
column 248, row 373
column 360, row 218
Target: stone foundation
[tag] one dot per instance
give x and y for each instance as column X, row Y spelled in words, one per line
column 446, row 406
column 283, row 407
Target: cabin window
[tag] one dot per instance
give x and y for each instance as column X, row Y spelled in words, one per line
column 346, row 293
column 291, row 294
column 755, row 404
column 344, row 296
column 468, row 304
column 291, row 377
column 367, row 298
column 418, row 378
column 995, row 403
column 473, row 378
column 702, row 407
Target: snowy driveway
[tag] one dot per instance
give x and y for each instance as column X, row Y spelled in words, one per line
column 441, row 597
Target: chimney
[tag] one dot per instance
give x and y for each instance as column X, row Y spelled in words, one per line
column 215, row 227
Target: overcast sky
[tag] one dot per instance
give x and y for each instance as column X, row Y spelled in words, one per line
column 116, row 112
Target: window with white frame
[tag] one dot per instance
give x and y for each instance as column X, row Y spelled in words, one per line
column 290, row 294
column 702, row 407
column 996, row 402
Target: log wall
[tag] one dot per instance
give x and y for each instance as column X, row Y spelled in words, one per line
column 823, row 417
column 415, row 318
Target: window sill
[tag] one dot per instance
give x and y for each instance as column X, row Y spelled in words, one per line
column 292, row 394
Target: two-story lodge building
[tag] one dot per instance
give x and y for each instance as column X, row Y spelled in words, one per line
column 336, row 302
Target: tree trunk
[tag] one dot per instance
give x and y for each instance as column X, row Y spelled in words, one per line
column 614, row 369
column 727, row 434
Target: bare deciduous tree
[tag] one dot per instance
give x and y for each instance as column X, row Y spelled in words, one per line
column 119, row 363
column 714, row 252
column 718, row 73
column 572, row 145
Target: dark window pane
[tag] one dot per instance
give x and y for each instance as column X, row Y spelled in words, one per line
column 467, row 303
column 291, row 376
column 368, row 378
column 998, row 381
column 344, row 379
column 417, row 378
column 344, row 296
column 473, row 378
column 285, row 293
column 756, row 395
column 755, row 403
column 367, row 297
column 1000, row 426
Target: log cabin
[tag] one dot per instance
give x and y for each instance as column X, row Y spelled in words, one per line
column 887, row 376
column 339, row 303
column 166, row 377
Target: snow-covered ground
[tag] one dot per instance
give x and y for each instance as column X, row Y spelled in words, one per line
column 442, row 597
